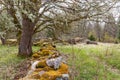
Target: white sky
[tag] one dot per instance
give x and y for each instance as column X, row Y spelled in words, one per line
column 116, row 11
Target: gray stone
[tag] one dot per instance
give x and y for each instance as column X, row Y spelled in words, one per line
column 33, row 67
column 60, row 78
column 54, row 62
column 63, row 77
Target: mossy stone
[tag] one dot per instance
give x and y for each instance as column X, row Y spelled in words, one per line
column 41, row 64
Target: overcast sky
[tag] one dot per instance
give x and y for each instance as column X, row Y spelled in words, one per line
column 116, row 11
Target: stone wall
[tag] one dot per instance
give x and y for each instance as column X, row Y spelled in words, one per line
column 47, row 64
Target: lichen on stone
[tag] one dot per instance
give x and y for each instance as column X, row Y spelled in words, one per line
column 54, row 62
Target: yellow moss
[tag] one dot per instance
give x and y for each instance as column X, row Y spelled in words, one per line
column 38, row 70
column 43, row 57
column 44, row 52
column 54, row 55
column 34, row 75
column 41, row 64
column 48, row 46
column 42, row 78
column 47, row 68
column 47, row 51
column 35, row 55
column 51, row 75
column 63, row 69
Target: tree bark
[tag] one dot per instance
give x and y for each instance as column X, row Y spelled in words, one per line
column 25, row 46
column 3, row 41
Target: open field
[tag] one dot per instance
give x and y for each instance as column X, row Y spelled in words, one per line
column 87, row 62
column 94, row 62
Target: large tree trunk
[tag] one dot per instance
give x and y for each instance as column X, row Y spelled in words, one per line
column 3, row 41
column 25, row 46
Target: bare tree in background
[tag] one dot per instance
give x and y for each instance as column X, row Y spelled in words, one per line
column 110, row 27
column 32, row 16
column 98, row 30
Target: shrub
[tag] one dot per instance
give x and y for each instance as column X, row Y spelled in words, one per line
column 92, row 38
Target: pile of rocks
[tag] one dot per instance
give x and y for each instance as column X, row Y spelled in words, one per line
column 47, row 64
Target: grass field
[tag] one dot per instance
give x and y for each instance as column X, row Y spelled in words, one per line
column 87, row 62
column 94, row 62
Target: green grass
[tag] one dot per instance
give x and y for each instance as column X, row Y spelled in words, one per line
column 86, row 62
column 8, row 55
column 90, row 62
column 9, row 60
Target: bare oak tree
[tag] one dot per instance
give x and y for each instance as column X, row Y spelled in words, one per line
column 32, row 16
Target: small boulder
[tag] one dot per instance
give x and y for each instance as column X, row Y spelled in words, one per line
column 54, row 62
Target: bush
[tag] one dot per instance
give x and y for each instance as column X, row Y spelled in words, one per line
column 92, row 38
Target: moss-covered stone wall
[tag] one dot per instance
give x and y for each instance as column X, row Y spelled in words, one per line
column 47, row 64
